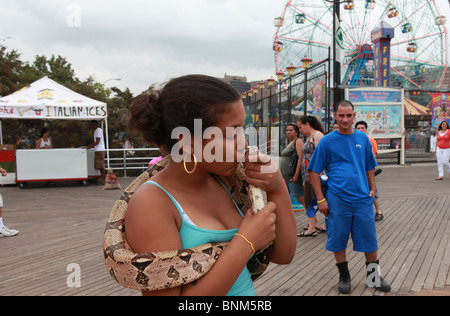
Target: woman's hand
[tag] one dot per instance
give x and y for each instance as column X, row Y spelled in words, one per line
column 259, row 228
column 295, row 178
column 262, row 172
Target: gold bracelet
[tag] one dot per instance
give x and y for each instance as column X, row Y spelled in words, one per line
column 321, row 201
column 248, row 241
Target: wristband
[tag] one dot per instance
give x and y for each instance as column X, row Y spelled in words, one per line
column 248, row 241
column 321, row 201
column 273, row 194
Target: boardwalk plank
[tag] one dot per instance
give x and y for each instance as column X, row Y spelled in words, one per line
column 64, row 224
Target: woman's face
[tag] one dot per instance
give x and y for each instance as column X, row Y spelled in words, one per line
column 444, row 125
column 291, row 134
column 304, row 128
column 224, row 144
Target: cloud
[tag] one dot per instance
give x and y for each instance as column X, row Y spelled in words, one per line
column 147, row 41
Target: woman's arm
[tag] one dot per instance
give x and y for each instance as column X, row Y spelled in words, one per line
column 317, row 137
column 153, row 223
column 298, row 147
column 264, row 174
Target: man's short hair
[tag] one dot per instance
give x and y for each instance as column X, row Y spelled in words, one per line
column 343, row 103
column 361, row 123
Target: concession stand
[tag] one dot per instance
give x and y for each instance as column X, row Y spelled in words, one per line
column 46, row 99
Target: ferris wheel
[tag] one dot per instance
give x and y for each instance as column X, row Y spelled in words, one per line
column 419, row 49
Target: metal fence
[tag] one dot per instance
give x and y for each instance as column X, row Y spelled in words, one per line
column 131, row 162
column 417, row 149
column 303, row 93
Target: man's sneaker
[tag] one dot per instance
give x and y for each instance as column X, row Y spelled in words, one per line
column 6, row 232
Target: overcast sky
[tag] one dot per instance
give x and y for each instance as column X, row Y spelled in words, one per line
column 147, row 41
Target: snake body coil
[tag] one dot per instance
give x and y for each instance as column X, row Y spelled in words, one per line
column 167, row 269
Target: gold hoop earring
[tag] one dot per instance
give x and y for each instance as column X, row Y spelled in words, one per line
column 195, row 164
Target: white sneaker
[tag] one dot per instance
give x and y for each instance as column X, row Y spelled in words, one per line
column 6, row 232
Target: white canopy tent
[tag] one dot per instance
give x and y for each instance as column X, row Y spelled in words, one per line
column 46, row 99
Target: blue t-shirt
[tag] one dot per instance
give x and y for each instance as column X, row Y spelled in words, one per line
column 345, row 159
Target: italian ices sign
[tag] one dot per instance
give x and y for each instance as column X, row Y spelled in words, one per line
column 47, row 99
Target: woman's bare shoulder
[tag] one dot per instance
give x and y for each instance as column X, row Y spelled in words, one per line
column 151, row 221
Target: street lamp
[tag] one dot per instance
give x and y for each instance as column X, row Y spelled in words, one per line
column 280, row 75
column 290, row 70
column 270, row 82
column 306, row 62
column 255, row 92
column 261, row 85
column 306, row 65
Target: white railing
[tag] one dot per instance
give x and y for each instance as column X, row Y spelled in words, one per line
column 128, row 159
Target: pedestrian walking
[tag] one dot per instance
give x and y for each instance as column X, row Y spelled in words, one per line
column 362, row 126
column 312, row 129
column 293, row 179
column 443, row 149
column 4, row 231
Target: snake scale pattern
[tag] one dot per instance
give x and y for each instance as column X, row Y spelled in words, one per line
column 167, row 269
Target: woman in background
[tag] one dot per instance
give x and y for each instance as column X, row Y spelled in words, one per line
column 312, row 129
column 44, row 142
column 443, row 149
column 294, row 182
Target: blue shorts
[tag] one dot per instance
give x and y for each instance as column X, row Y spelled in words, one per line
column 295, row 189
column 356, row 218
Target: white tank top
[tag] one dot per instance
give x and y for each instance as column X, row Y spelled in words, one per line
column 44, row 143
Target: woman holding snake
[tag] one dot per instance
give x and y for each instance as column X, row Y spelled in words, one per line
column 186, row 204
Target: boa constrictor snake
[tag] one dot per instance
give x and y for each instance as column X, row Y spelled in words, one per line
column 167, row 269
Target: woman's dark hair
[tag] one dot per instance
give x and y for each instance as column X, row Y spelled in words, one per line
column 295, row 127
column 312, row 121
column 182, row 100
column 43, row 131
column 440, row 125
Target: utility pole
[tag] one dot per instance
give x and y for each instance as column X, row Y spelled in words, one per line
column 337, row 40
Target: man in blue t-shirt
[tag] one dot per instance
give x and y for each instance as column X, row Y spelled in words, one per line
column 346, row 157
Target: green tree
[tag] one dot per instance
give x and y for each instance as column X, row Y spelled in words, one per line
column 10, row 71
column 15, row 74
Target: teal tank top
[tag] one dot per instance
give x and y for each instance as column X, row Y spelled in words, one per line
column 193, row 236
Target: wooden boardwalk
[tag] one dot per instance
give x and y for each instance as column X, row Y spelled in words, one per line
column 63, row 225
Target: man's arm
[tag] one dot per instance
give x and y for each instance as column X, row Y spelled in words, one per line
column 97, row 140
column 371, row 179
column 317, row 187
